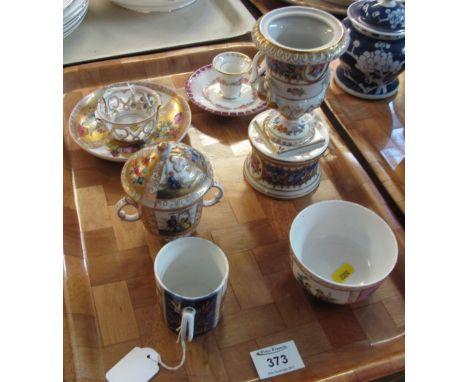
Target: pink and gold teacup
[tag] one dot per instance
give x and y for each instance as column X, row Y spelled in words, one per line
column 231, row 68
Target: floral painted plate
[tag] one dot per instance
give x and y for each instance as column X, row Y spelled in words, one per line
column 204, row 91
column 173, row 124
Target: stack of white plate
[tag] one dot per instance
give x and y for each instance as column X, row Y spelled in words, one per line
column 146, row 6
column 74, row 11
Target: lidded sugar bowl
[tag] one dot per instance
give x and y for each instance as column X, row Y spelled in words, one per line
column 376, row 56
column 166, row 184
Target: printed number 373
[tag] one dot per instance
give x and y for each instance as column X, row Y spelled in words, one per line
column 275, row 361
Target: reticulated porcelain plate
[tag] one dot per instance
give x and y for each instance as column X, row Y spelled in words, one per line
column 204, row 91
column 173, row 124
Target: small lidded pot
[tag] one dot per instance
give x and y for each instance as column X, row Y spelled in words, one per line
column 376, row 55
column 166, row 184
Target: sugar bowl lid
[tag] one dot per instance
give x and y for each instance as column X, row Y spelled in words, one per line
column 168, row 175
column 386, row 18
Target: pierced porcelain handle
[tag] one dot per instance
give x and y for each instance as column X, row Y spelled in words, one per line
column 218, row 196
column 122, row 214
column 256, row 80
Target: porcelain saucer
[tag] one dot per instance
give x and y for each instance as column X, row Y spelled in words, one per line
column 204, row 91
column 173, row 124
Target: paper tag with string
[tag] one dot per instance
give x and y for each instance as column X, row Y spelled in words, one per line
column 142, row 364
column 137, row 366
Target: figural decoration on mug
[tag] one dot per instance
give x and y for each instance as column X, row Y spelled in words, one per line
column 376, row 55
column 166, row 184
column 130, row 113
column 297, row 44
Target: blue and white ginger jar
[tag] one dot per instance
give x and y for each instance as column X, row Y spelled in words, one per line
column 376, row 55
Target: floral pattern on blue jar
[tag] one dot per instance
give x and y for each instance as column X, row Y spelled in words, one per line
column 388, row 17
column 379, row 65
column 376, row 56
column 289, row 177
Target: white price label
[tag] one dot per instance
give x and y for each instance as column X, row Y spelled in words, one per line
column 277, row 359
column 139, row 365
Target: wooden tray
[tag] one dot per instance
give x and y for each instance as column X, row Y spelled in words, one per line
column 105, row 257
column 266, row 6
column 109, row 30
column 375, row 133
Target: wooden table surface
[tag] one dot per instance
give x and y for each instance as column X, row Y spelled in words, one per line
column 106, row 259
column 265, row 6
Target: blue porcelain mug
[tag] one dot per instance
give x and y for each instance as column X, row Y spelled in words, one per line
column 191, row 279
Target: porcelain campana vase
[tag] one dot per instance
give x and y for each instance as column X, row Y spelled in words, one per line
column 298, row 44
column 291, row 73
column 376, row 55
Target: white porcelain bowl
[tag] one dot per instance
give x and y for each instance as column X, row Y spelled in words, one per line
column 146, row 6
column 340, row 251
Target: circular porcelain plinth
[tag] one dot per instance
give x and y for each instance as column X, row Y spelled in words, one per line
column 351, row 87
column 276, row 191
column 283, row 174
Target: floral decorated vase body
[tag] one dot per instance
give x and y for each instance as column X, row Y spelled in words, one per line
column 376, row 54
column 294, row 90
column 166, row 185
column 297, row 43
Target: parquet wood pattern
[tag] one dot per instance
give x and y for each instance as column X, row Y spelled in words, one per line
column 110, row 303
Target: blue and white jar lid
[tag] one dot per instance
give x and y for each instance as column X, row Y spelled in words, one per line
column 378, row 18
